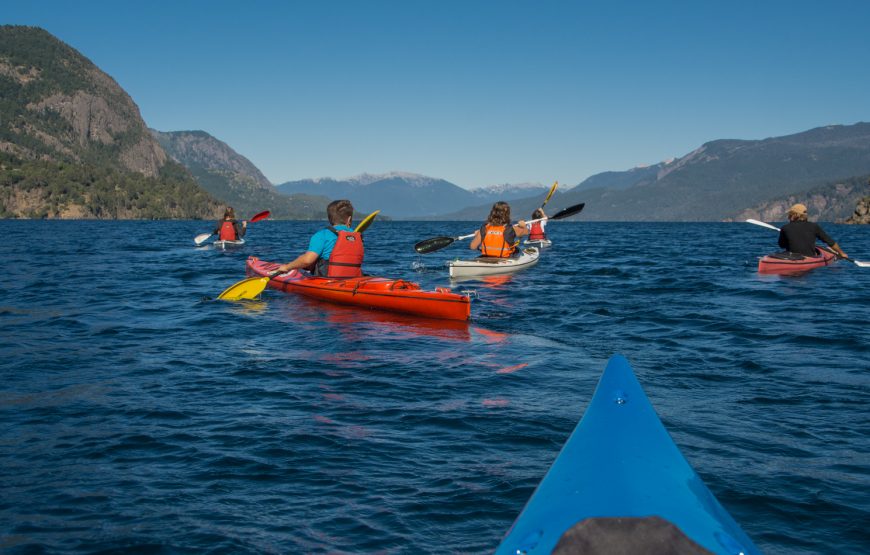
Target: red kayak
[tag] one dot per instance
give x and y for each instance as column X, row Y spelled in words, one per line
column 789, row 263
column 393, row 295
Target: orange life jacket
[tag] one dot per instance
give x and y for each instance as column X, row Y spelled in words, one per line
column 228, row 231
column 492, row 242
column 347, row 255
column 536, row 232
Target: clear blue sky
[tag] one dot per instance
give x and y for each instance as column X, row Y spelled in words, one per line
column 475, row 92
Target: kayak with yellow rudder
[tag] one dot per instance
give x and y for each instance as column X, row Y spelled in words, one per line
column 378, row 293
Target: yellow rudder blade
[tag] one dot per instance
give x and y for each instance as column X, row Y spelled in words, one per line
column 245, row 289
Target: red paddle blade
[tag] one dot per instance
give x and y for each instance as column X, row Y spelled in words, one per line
column 261, row 216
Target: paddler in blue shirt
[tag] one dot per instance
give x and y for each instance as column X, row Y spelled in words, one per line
column 336, row 251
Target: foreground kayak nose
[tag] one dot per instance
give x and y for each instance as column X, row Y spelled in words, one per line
column 621, row 485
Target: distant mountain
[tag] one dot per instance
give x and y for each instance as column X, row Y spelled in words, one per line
column 407, row 195
column 73, row 143
column 623, row 179
column 234, row 180
column 398, row 194
column 717, row 181
column 508, row 192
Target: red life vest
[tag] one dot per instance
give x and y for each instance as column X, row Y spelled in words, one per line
column 347, row 255
column 228, row 231
column 493, row 243
column 536, row 232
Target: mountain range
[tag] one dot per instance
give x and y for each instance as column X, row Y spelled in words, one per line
column 407, row 195
column 73, row 145
column 720, row 180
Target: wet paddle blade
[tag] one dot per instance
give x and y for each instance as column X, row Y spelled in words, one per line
column 568, row 212
column 364, row 225
column 261, row 216
column 245, row 289
column 201, row 237
column 431, row 245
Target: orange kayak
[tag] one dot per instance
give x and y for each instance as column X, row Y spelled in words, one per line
column 788, row 263
column 393, row 295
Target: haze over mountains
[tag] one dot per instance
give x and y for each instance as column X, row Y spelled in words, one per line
column 73, row 145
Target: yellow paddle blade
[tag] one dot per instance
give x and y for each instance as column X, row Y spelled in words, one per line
column 550, row 194
column 245, row 289
column 363, row 225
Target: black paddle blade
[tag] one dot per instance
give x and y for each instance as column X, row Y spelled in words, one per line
column 568, row 212
column 431, row 245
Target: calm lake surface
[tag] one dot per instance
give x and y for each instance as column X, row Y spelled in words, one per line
column 137, row 415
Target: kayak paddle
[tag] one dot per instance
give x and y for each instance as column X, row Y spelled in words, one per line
column 250, row 287
column 773, row 227
column 367, row 221
column 550, row 194
column 437, row 243
column 256, row 218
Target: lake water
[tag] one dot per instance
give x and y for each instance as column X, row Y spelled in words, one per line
column 138, row 415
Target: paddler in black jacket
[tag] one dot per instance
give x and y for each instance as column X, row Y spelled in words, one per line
column 799, row 235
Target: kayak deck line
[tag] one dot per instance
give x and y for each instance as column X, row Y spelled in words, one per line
column 621, row 463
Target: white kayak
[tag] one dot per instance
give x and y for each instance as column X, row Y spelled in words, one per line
column 228, row 244
column 539, row 243
column 486, row 266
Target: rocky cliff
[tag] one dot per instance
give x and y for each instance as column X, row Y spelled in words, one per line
column 828, row 202
column 71, row 138
column 861, row 215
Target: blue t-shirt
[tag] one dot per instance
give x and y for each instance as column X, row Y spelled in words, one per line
column 323, row 241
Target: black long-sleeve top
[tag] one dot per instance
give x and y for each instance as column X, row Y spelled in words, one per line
column 800, row 237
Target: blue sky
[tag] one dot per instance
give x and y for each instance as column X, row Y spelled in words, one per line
column 474, row 92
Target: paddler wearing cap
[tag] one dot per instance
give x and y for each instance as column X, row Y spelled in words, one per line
column 799, row 235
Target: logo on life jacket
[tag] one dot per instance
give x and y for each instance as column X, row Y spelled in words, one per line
column 347, row 255
column 228, row 231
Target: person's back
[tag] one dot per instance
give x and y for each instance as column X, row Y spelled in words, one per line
column 799, row 235
column 497, row 237
column 336, row 251
column 228, row 229
column 340, row 251
column 536, row 229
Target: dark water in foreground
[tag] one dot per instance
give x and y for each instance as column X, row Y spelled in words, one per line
column 137, row 417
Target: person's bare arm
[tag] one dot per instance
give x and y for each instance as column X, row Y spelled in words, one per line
column 475, row 241
column 304, row 260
